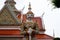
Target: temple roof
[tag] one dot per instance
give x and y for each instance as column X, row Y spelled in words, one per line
column 9, row 11
column 16, row 33
column 10, row 33
column 43, row 36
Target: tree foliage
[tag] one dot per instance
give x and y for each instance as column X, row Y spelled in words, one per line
column 56, row 38
column 56, row 3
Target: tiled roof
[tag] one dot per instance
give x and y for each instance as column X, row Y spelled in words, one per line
column 14, row 33
column 43, row 36
column 24, row 18
column 38, row 21
column 10, row 32
column 9, row 24
column 21, row 36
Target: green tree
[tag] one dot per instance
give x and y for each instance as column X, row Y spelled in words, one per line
column 56, row 38
column 56, row 3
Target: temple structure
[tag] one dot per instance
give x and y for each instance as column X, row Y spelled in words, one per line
column 17, row 26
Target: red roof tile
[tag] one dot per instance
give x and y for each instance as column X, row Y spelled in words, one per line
column 43, row 36
column 21, row 36
column 17, row 33
column 10, row 32
column 24, row 18
column 9, row 24
column 39, row 21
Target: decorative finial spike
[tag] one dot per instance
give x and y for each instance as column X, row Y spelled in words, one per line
column 53, row 33
column 29, row 6
column 43, row 14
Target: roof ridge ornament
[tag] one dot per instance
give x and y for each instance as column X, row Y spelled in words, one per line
column 29, row 6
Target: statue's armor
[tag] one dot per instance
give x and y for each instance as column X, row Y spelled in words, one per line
column 29, row 28
column 28, row 25
column 25, row 27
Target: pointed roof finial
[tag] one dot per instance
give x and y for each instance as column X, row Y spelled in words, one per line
column 53, row 33
column 29, row 6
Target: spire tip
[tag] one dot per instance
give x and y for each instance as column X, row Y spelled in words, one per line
column 29, row 6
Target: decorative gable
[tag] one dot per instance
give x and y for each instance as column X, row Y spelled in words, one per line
column 6, row 17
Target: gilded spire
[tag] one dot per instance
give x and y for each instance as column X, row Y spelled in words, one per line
column 29, row 6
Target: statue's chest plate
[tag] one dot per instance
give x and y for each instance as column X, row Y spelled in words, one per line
column 29, row 25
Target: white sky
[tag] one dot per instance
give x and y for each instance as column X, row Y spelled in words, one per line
column 51, row 17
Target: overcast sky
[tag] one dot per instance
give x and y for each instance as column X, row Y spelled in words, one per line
column 51, row 17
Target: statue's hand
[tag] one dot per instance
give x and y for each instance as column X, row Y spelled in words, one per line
column 24, row 32
column 30, row 30
column 33, row 30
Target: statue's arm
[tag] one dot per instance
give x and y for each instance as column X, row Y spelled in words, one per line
column 23, row 29
column 37, row 28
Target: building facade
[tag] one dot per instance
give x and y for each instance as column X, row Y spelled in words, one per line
column 17, row 26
